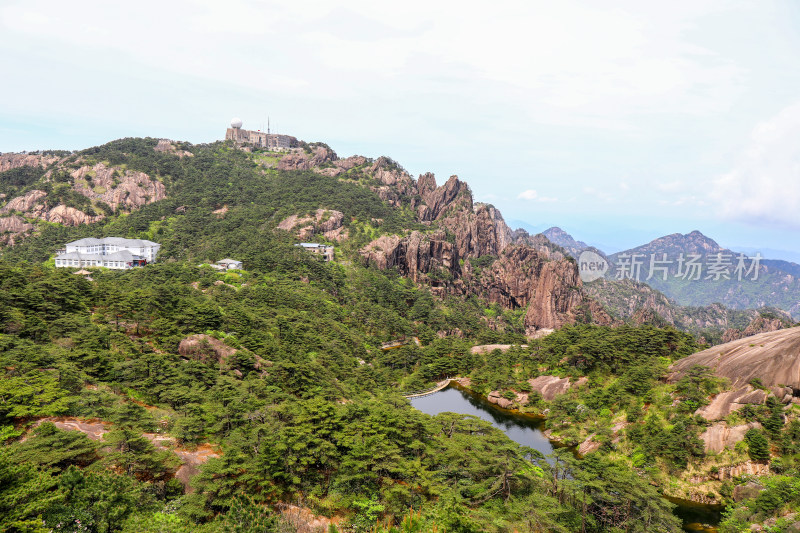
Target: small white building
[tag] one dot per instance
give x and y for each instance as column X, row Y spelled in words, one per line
column 108, row 252
column 228, row 264
column 325, row 250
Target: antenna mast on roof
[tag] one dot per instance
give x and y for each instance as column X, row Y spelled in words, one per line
column 268, row 124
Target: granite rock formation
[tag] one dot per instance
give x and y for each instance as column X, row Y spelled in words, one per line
column 772, row 357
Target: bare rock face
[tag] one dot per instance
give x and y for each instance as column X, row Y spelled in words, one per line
column 421, row 257
column 69, row 216
column 491, row 233
column 300, row 160
column 167, row 146
column 551, row 290
column 720, row 436
column 395, row 184
column 520, row 276
column 11, row 161
column 756, row 326
column 326, row 222
column 549, row 386
column 437, row 199
column 350, row 162
column 12, row 228
column 555, row 297
column 588, row 446
column 495, row 398
column 24, row 204
column 128, row 190
column 727, row 402
column 771, row 357
column 341, row 166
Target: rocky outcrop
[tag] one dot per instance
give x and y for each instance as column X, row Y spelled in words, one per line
column 496, row 398
column 205, row 348
column 394, row 184
column 34, row 205
column 551, row 386
column 119, row 189
column 69, row 216
column 488, row 348
column 12, row 228
column 329, row 223
column 750, row 468
column 11, row 161
column 301, row 160
column 758, row 325
column 521, row 276
column 341, row 166
column 25, row 203
column 421, row 257
column 589, row 445
column 771, row 357
column 719, row 436
column 727, row 402
column 167, row 146
column 550, row 289
column 126, row 189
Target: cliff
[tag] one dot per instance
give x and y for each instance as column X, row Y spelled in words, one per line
column 471, row 251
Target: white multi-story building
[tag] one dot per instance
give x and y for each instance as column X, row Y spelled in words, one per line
column 109, row 252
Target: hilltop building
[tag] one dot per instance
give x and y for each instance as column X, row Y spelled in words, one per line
column 325, row 250
column 260, row 139
column 108, row 252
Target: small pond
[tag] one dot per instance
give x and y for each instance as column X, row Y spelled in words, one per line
column 527, row 431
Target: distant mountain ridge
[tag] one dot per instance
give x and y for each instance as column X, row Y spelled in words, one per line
column 776, row 284
column 716, row 274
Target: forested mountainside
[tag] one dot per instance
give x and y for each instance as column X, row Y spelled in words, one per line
column 693, row 270
column 179, row 398
column 715, row 312
column 638, row 303
column 771, row 286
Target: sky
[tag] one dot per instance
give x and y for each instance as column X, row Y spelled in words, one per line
column 619, row 122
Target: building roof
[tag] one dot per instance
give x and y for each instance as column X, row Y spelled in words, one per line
column 312, row 245
column 227, row 261
column 120, row 241
column 123, row 255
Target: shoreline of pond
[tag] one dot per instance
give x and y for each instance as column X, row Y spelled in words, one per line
column 696, row 516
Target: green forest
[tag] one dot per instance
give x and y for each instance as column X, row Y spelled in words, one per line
column 275, row 375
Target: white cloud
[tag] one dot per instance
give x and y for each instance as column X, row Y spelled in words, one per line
column 598, row 194
column 765, row 185
column 671, row 186
column 532, row 195
column 568, row 62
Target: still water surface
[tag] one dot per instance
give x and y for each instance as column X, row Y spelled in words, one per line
column 523, row 430
column 527, row 431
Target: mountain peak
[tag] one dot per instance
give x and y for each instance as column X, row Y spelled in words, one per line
column 560, row 237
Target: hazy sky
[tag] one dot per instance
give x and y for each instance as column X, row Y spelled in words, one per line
column 619, row 123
